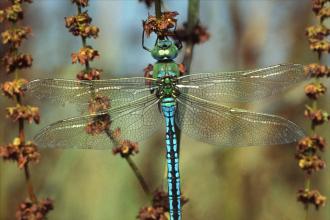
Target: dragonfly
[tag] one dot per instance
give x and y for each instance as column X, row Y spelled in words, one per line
column 192, row 103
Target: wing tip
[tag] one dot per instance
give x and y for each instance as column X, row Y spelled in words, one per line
column 294, row 132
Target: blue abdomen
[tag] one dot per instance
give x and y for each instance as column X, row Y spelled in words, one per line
column 172, row 157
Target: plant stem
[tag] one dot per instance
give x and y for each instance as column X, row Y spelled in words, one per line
column 83, row 39
column 193, row 14
column 132, row 165
column 27, row 175
column 29, row 186
column 87, row 66
column 158, row 9
column 138, row 175
column 307, row 187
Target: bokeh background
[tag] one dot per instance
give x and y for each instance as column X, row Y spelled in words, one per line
column 253, row 183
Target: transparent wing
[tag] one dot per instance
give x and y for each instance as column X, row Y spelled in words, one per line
column 224, row 126
column 242, row 85
column 120, row 91
column 137, row 121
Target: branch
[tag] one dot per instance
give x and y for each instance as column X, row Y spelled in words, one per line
column 193, row 17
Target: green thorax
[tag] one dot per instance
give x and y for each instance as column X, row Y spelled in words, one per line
column 165, row 68
column 166, row 75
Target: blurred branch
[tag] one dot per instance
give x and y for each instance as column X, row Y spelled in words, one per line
column 138, row 175
column 193, row 18
column 158, row 10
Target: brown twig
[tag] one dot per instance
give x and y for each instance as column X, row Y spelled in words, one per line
column 83, row 39
column 27, row 174
column 158, row 10
column 29, row 185
column 138, row 175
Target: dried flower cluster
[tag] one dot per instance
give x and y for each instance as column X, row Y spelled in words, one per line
column 126, row 148
column 315, row 90
column 17, row 61
column 98, row 104
column 317, row 70
column 159, row 209
column 197, row 35
column 317, row 38
column 15, row 36
column 30, row 210
column 164, row 26
column 311, row 197
column 85, row 55
column 309, row 149
column 12, row 13
column 98, row 125
column 80, row 25
column 320, row 10
column 89, row 74
column 20, row 151
column 317, row 116
column 23, row 112
column 148, row 70
column 13, row 88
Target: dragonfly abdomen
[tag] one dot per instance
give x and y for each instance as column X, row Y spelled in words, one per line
column 172, row 157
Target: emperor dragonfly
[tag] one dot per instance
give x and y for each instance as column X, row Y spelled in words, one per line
column 186, row 101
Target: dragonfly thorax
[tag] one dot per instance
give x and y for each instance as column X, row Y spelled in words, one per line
column 167, row 87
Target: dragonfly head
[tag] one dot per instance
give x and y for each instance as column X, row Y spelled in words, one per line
column 164, row 49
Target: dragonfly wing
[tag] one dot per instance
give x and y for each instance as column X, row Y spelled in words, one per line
column 242, row 86
column 224, row 126
column 136, row 121
column 120, row 91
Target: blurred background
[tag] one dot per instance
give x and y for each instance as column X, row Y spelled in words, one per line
column 254, row 183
